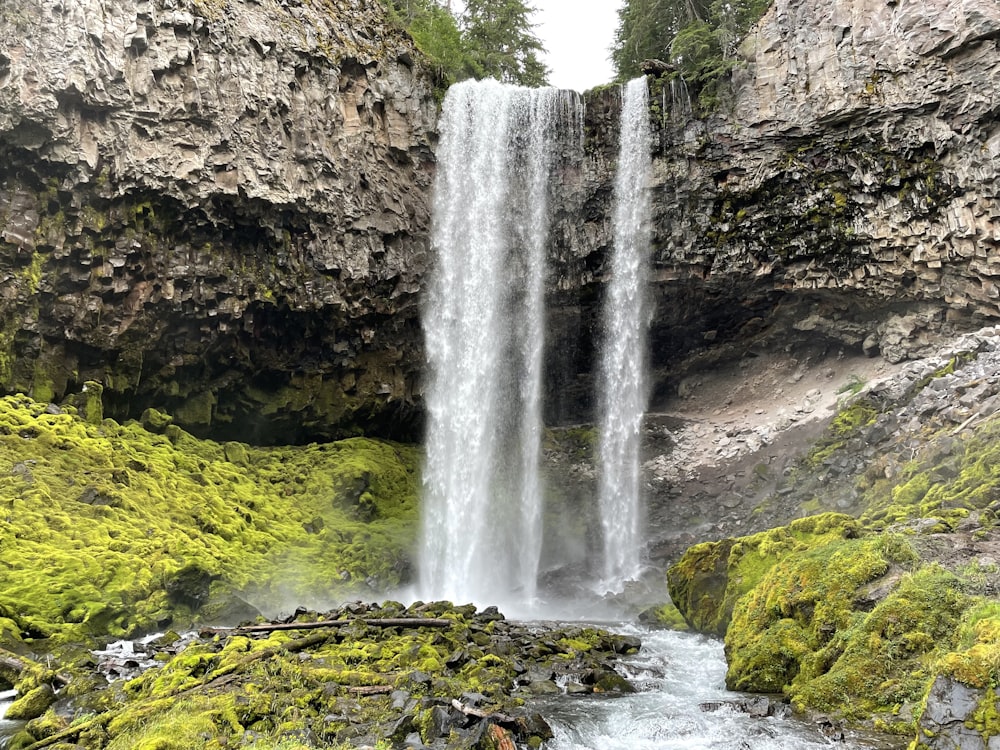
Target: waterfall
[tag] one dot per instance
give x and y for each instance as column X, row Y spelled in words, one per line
column 622, row 395
column 484, row 327
column 680, row 100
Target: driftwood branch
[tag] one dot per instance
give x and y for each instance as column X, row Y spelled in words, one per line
column 13, row 665
column 72, row 731
column 376, row 622
column 480, row 714
column 370, row 689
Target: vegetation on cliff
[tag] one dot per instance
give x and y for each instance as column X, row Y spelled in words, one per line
column 697, row 38
column 861, row 617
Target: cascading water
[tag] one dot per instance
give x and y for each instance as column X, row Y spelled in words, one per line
column 622, row 396
column 484, row 328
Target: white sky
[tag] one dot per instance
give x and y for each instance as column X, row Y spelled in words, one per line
column 577, row 35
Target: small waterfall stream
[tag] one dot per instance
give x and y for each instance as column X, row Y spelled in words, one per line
column 622, row 396
column 484, row 324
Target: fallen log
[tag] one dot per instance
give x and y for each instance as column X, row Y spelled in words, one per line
column 377, row 622
column 370, row 689
column 70, row 732
column 11, row 664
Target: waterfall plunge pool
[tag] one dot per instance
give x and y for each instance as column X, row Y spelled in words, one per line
column 676, row 673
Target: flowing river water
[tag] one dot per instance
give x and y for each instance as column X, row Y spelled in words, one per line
column 6, row 727
column 678, row 673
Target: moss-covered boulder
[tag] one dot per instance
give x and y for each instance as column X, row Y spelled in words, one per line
column 709, row 579
column 32, row 704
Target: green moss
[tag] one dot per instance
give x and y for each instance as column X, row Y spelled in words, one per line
column 665, row 616
column 941, row 482
column 882, row 660
column 710, row 578
column 213, row 692
column 98, row 519
column 975, row 660
column 32, row 704
column 851, row 418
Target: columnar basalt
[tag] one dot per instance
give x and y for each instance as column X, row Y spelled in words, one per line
column 218, row 208
column 844, row 189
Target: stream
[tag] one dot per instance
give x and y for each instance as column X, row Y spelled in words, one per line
column 676, row 673
column 6, row 727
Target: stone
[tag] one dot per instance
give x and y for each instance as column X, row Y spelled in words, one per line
column 212, row 253
column 32, row 704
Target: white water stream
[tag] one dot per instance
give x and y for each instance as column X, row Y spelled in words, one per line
column 676, row 673
column 7, row 727
column 484, row 322
column 622, row 395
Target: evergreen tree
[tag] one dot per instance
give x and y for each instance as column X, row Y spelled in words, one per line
column 435, row 32
column 501, row 44
column 645, row 28
column 699, row 37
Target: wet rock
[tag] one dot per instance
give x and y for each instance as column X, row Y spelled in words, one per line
column 32, row 704
column 608, row 681
column 543, row 687
column 759, row 707
column 949, row 705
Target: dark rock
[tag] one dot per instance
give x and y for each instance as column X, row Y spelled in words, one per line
column 608, row 681
column 490, row 614
column 189, row 586
column 543, row 687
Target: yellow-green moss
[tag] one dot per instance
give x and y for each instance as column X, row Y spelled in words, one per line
column 96, row 521
column 976, row 658
column 711, row 577
column 941, row 484
column 851, row 418
column 796, row 609
column 884, row 658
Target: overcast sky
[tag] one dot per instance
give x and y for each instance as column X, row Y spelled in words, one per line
column 577, row 35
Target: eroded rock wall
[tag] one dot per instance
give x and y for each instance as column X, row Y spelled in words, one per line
column 844, row 190
column 219, row 208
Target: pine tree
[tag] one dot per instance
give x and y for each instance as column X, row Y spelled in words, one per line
column 500, row 42
column 698, row 36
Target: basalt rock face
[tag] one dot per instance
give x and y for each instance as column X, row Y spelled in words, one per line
column 217, row 208
column 844, row 189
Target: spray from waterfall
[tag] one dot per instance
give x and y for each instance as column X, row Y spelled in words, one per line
column 484, row 328
column 622, row 396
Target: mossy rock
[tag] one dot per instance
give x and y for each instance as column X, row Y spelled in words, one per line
column 333, row 685
column 797, row 607
column 666, row 616
column 707, row 581
column 32, row 704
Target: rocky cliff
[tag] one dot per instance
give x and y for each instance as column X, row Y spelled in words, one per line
column 216, row 207
column 221, row 209
column 843, row 191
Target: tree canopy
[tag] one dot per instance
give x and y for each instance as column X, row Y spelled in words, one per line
column 491, row 38
column 697, row 37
